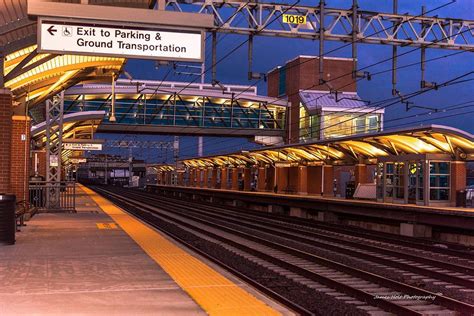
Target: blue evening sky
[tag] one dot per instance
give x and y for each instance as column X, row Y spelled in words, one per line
column 270, row 52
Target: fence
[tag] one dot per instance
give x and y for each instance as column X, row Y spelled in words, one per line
column 53, row 196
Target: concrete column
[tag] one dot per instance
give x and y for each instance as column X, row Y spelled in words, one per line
column 205, row 178
column 302, row 180
column 6, row 106
column 458, row 179
column 189, row 183
column 247, row 178
column 213, row 184
column 224, row 178
column 261, row 179
column 315, row 177
column 168, row 177
column 328, row 180
column 281, row 179
column 293, row 180
column 20, row 155
column 269, row 178
column 235, row 179
column 193, row 181
column 360, row 174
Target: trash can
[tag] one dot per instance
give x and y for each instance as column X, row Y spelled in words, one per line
column 350, row 189
column 461, row 198
column 7, row 218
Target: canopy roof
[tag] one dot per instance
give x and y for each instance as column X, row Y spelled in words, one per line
column 317, row 101
column 34, row 77
column 77, row 126
column 432, row 139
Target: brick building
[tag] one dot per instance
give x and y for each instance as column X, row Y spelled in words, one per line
column 326, row 107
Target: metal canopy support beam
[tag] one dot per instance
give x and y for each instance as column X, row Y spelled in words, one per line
column 355, row 32
column 54, row 135
column 16, row 71
column 214, row 54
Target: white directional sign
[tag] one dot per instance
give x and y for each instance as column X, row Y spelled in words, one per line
column 77, row 160
column 82, row 146
column 119, row 41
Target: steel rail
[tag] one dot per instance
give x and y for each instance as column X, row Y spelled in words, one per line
column 367, row 297
column 277, row 297
column 310, row 230
column 277, row 229
column 422, row 244
column 361, row 295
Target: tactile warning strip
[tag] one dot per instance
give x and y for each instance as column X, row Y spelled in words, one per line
column 216, row 294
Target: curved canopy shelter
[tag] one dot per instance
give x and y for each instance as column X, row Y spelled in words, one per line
column 76, row 126
column 34, row 77
column 432, row 139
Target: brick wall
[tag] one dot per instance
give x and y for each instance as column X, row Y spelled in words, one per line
column 20, row 155
column 5, row 139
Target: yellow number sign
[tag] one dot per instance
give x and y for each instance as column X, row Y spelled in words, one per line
column 294, row 19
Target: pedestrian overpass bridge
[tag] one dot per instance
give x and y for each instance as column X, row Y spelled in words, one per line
column 180, row 108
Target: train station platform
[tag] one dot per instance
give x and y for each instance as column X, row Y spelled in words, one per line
column 102, row 261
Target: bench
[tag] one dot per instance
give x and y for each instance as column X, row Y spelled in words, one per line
column 23, row 209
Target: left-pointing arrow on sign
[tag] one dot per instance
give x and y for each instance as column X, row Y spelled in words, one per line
column 52, row 30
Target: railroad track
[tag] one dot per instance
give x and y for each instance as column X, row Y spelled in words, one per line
column 251, row 238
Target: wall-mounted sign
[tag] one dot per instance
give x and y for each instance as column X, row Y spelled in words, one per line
column 82, row 146
column 53, row 161
column 92, row 38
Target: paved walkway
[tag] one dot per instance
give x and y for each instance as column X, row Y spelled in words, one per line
column 64, row 264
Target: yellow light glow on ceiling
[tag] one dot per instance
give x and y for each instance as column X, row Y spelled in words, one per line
column 411, row 144
column 365, row 149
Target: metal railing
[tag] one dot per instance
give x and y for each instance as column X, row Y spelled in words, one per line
column 53, row 196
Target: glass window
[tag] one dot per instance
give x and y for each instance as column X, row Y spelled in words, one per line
column 339, row 125
column 395, row 180
column 373, row 123
column 439, row 181
column 309, row 125
column 360, row 125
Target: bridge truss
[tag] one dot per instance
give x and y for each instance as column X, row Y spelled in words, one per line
column 258, row 18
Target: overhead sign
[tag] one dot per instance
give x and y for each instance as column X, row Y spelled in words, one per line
column 87, row 38
column 294, row 19
column 82, row 146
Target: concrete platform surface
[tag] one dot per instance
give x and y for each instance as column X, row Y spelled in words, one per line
column 66, row 264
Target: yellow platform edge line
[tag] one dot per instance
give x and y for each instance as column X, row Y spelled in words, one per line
column 216, row 294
